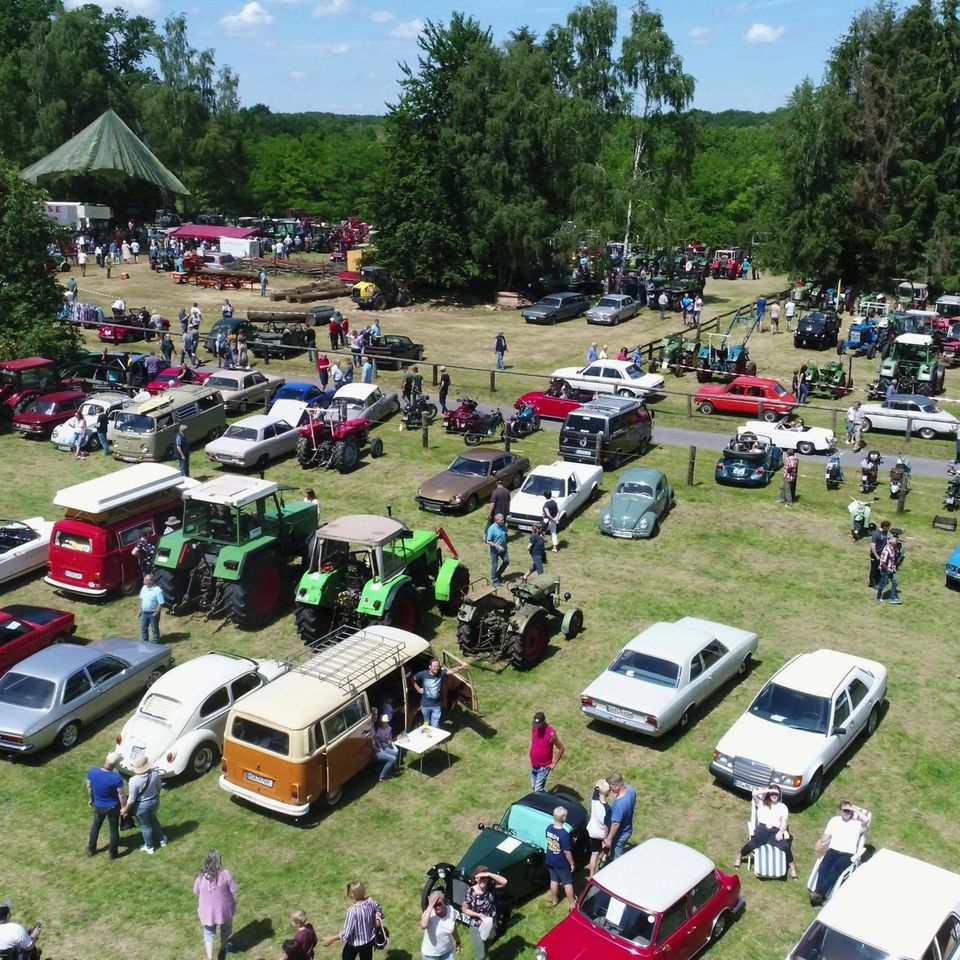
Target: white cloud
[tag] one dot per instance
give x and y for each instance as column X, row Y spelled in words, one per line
column 700, row 35
column 408, row 30
column 331, row 8
column 764, row 33
column 250, row 17
column 382, row 16
column 297, row 75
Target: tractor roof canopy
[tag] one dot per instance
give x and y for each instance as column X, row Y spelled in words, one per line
column 363, row 528
column 230, row 491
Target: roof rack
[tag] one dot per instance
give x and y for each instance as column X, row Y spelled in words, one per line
column 347, row 655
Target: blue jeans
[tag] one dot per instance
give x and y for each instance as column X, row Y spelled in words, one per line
column 150, row 828
column 184, row 466
column 389, row 756
column 104, row 444
column 210, row 931
column 887, row 576
column 499, row 359
column 620, row 844
column 498, row 563
column 538, row 779
column 148, row 620
column 431, row 715
column 437, row 956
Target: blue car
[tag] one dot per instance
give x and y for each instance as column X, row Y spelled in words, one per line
column 952, row 569
column 748, row 461
column 308, row 393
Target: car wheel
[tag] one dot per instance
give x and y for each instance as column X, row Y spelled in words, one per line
column 770, row 416
column 927, row 433
column 213, row 433
column 471, row 503
column 154, row 675
column 203, row 758
column 243, row 406
column 872, row 721
column 262, row 463
column 61, row 638
column 332, row 797
column 744, row 667
column 707, row 407
column 517, row 481
column 866, row 426
column 684, row 721
column 871, row 351
column 720, row 926
column 839, row 349
column 68, row 735
column 623, row 392
column 814, row 789
column 805, row 447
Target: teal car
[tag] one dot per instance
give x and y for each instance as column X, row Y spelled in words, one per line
column 641, row 500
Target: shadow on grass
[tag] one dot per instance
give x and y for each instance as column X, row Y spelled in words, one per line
column 252, row 934
column 471, row 721
column 516, row 946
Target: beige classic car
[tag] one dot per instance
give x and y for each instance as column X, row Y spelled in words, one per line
column 470, row 480
column 244, row 389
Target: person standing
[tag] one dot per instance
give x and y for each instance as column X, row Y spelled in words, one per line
column 82, row 261
column 551, row 517
column 182, row 447
column 356, row 348
column 310, row 335
column 166, row 348
column 439, row 926
column 499, row 501
column 621, row 816
column 103, row 424
column 323, row 370
column 789, row 311
column 775, row 316
column 444, row 389
column 151, row 601
column 196, row 316
column 226, row 309
column 543, row 742
column 334, row 329
column 480, row 902
column 761, row 312
column 592, row 353
column 305, row 936
column 429, row 684
column 16, row 940
column 537, row 548
column 105, row 795
column 599, row 823
column 855, row 416
column 889, row 392
column 363, row 917
column 697, row 310
column 788, row 485
column 79, row 423
column 145, row 552
column 662, row 303
column 216, row 893
column 366, row 371
column 878, row 540
column 559, row 859
column 496, row 540
column 888, row 570
column 143, row 801
column 500, row 348
column 263, row 282
column 384, row 749
column 839, row 844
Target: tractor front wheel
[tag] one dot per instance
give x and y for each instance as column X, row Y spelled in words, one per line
column 467, row 638
column 312, row 622
column 376, row 448
column 404, row 612
column 255, row 598
column 305, row 453
column 528, row 647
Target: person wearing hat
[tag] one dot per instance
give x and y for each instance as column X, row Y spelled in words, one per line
column 543, row 740
column 384, row 749
column 105, row 795
column 143, row 801
column 15, row 940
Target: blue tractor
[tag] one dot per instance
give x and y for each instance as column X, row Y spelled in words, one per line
column 863, row 338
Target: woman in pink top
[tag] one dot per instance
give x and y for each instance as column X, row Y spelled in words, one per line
column 543, row 739
column 216, row 890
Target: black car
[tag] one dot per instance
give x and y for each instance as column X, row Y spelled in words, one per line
column 116, row 371
column 818, row 329
column 394, row 351
column 274, row 338
column 557, row 306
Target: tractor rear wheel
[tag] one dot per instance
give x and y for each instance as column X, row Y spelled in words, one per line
column 345, row 456
column 467, row 638
column 312, row 622
column 173, row 583
column 255, row 598
column 404, row 612
column 379, row 302
column 305, row 452
column 527, row 648
column 459, row 585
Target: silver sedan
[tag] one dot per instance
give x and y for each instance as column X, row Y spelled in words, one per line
column 612, row 309
column 253, row 442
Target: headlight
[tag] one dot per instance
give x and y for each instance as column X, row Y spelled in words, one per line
column 143, row 448
column 605, row 520
column 644, row 523
column 788, row 779
column 456, row 499
column 540, row 953
column 722, row 759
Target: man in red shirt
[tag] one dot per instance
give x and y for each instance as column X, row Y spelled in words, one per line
column 335, row 330
column 543, row 740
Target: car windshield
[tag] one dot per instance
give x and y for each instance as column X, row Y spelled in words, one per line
column 237, row 432
column 227, row 382
column 551, row 301
column 616, row 916
column 637, row 489
column 210, row 521
column 134, row 423
column 821, row 942
column 912, row 351
column 528, row 824
column 166, row 377
column 15, row 535
column 41, row 406
column 778, row 390
column 465, row 467
column 292, row 393
column 539, row 485
column 792, row 708
column 22, row 690
column 642, row 666
column 632, row 372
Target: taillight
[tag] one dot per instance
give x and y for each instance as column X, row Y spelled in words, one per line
column 223, row 765
column 295, row 792
column 171, row 756
column 586, row 701
column 652, row 721
column 184, row 552
column 118, row 739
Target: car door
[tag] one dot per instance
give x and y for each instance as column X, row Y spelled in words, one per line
column 704, row 902
column 77, row 693
column 17, row 641
column 948, row 938
column 841, row 733
column 718, row 663
column 629, row 308
column 376, row 406
column 286, row 438
column 661, row 500
column 573, row 497
column 592, row 378
column 735, row 399
column 859, row 693
column 348, row 735
column 678, row 936
column 504, row 469
column 113, row 681
column 888, row 417
column 212, row 714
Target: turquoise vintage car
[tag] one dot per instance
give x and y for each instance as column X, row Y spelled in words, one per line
column 641, row 500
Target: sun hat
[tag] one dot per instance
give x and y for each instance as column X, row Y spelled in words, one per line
column 141, row 764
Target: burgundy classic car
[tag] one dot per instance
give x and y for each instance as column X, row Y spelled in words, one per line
column 176, row 377
column 40, row 416
column 25, row 629
column 556, row 401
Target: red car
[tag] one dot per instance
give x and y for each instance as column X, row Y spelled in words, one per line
column 743, row 396
column 556, row 401
column 40, row 416
column 658, row 898
column 22, row 380
column 176, row 377
column 950, row 344
column 122, row 330
column 25, row 629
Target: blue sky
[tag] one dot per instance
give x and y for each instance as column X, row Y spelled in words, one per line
column 342, row 55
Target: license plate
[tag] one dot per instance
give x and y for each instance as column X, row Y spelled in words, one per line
column 256, row 778
column 135, row 752
column 743, row 785
column 623, row 534
column 73, row 575
column 739, row 471
column 619, row 711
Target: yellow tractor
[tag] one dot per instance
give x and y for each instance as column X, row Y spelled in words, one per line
column 376, row 290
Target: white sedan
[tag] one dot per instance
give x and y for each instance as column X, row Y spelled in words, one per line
column 922, row 413
column 806, row 440
column 571, row 485
column 23, row 546
column 621, row 377
column 253, row 442
column 180, row 721
column 663, row 674
column 365, row 400
column 806, row 717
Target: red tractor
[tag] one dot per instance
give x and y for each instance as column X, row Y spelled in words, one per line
column 727, row 264
column 335, row 443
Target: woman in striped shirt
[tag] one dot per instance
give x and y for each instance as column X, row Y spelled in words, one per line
column 359, row 927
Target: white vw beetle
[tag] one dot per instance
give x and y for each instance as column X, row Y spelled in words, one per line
column 660, row 677
column 805, row 440
column 180, row 721
column 572, row 485
column 800, row 724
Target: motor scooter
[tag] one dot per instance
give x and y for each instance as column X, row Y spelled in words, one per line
column 833, row 472
column 900, row 477
column 869, row 470
column 951, row 499
column 860, row 524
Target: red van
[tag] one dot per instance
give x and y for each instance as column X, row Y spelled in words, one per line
column 91, row 548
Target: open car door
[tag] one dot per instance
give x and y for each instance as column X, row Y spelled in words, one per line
column 459, row 689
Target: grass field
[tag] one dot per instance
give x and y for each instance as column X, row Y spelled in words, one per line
column 794, row 576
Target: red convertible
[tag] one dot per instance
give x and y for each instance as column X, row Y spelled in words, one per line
column 25, row 629
column 556, row 401
column 176, row 377
column 742, row 396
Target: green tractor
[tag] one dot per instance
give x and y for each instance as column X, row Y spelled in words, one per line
column 368, row 569
column 231, row 554
column 828, row 382
column 677, row 353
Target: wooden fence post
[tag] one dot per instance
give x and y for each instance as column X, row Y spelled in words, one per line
column 833, row 420
column 689, row 405
column 691, row 463
column 902, row 496
column 493, row 381
column 909, row 428
column 435, row 378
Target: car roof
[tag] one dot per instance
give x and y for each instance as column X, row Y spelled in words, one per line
column 753, row 381
column 616, row 296
column 25, row 363
column 362, row 528
column 915, row 339
column 231, row 490
column 672, row 641
column 655, row 874
column 256, row 420
column 115, row 489
column 59, row 395
column 914, row 398
column 56, row 662
column 641, row 475
column 894, row 902
column 201, row 674
column 820, row 672
column 487, row 455
column 355, row 391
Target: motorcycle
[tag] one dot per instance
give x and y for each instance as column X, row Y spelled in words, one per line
column 414, row 411
column 869, row 470
column 485, row 426
column 459, row 420
column 900, row 477
column 951, row 499
column 833, row 473
column 860, row 525
column 523, row 423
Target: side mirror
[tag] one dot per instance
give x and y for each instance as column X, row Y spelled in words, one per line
column 839, row 731
column 481, row 826
column 567, row 595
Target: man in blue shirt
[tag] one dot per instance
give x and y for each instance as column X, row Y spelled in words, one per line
column 151, row 600
column 366, row 371
column 761, row 310
column 105, row 795
column 559, row 859
column 182, row 445
column 497, row 542
column 591, row 353
column 623, row 803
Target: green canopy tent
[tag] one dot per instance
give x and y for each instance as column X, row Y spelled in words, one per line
column 106, row 144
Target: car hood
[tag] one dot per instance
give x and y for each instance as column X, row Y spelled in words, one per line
column 627, row 509
column 539, row 310
column 782, row 748
column 445, row 486
column 532, row 505
column 630, row 692
column 712, row 390
column 603, row 311
column 230, row 447
column 497, row 850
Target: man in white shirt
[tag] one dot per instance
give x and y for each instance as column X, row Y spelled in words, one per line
column 789, row 311
column 14, row 938
column 135, row 250
column 119, row 307
column 840, row 843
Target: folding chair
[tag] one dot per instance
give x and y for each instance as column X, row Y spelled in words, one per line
column 768, row 862
column 854, row 863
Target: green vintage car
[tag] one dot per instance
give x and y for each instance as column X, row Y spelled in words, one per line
column 641, row 500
